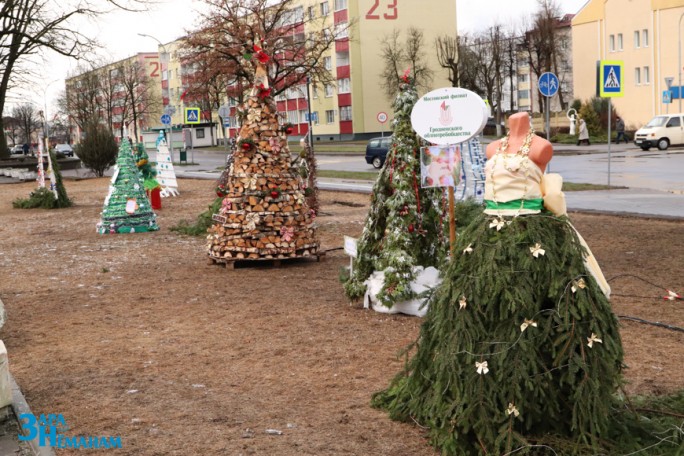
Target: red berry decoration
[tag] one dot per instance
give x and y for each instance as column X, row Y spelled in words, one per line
column 410, row 228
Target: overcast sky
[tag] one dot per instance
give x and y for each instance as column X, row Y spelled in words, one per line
column 168, row 19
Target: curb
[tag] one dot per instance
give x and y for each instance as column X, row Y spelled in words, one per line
column 20, row 406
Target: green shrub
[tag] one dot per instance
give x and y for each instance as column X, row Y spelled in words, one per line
column 98, row 150
column 203, row 222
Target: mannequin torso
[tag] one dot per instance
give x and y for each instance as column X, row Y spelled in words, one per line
column 541, row 150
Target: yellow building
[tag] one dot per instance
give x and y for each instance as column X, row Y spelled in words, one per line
column 349, row 108
column 645, row 35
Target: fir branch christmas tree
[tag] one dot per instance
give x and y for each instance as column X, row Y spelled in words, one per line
column 126, row 208
column 404, row 228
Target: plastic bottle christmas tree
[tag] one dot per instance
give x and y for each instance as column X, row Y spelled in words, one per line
column 264, row 214
column 404, row 228
column 126, row 208
column 165, row 172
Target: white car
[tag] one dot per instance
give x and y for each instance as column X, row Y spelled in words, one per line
column 64, row 149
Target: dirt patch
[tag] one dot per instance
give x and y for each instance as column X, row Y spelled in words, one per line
column 136, row 336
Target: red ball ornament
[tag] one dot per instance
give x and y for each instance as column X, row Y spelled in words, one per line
column 289, row 130
column 275, row 194
column 410, row 228
column 246, row 146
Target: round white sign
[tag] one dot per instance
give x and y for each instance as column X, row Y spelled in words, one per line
column 382, row 117
column 450, row 115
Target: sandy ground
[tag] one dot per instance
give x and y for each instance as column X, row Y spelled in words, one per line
column 137, row 336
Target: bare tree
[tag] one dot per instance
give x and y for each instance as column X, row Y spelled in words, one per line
column 232, row 28
column 542, row 44
column 399, row 57
column 12, row 128
column 138, row 98
column 447, row 56
column 28, row 120
column 31, row 26
column 82, row 99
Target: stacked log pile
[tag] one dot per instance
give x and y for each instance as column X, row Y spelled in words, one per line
column 264, row 214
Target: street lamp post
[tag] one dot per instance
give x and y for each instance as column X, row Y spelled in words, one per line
column 168, row 73
column 308, row 104
column 679, row 89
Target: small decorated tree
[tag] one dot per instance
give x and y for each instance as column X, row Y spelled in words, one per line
column 264, row 214
column 54, row 197
column 126, row 208
column 404, row 228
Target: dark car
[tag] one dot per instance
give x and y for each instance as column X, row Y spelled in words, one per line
column 64, row 149
column 376, row 151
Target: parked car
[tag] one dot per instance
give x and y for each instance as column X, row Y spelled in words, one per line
column 376, row 151
column 17, row 149
column 662, row 131
column 64, row 149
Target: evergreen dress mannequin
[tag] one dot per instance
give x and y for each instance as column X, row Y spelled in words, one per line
column 519, row 340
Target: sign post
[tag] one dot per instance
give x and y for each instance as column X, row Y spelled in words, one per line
column 610, row 85
column 224, row 112
column 382, row 118
column 548, row 87
column 668, row 84
column 169, row 111
column 449, row 116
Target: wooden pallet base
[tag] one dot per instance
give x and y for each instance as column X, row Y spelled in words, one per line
column 232, row 263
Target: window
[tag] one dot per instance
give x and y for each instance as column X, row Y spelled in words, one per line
column 280, row 96
column 293, row 93
column 314, row 117
column 232, row 101
column 674, row 122
column 330, row 116
column 522, row 78
column 343, row 85
column 312, row 12
column 644, row 38
column 302, row 115
column 637, row 40
column 293, row 117
column 342, row 58
column 611, row 43
column 341, row 31
column 345, row 113
column 324, row 8
column 328, row 91
column 637, row 76
column 340, row 5
column 327, row 34
column 327, row 62
column 200, row 133
column 619, row 42
column 523, row 94
column 647, row 75
column 314, row 89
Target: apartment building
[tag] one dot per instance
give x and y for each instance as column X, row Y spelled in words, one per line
column 102, row 91
column 349, row 108
column 646, row 36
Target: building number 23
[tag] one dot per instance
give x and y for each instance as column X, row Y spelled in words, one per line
column 391, row 6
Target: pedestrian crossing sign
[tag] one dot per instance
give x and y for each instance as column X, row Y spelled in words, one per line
column 610, row 78
column 192, row 115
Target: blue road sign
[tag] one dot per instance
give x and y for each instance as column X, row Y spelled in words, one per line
column 166, row 119
column 610, row 78
column 675, row 92
column 226, row 122
column 548, row 84
column 314, row 116
column 192, row 115
column 667, row 97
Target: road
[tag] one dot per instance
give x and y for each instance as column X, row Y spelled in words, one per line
column 630, row 166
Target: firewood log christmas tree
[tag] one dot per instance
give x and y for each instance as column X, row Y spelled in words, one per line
column 404, row 228
column 264, row 214
column 126, row 208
